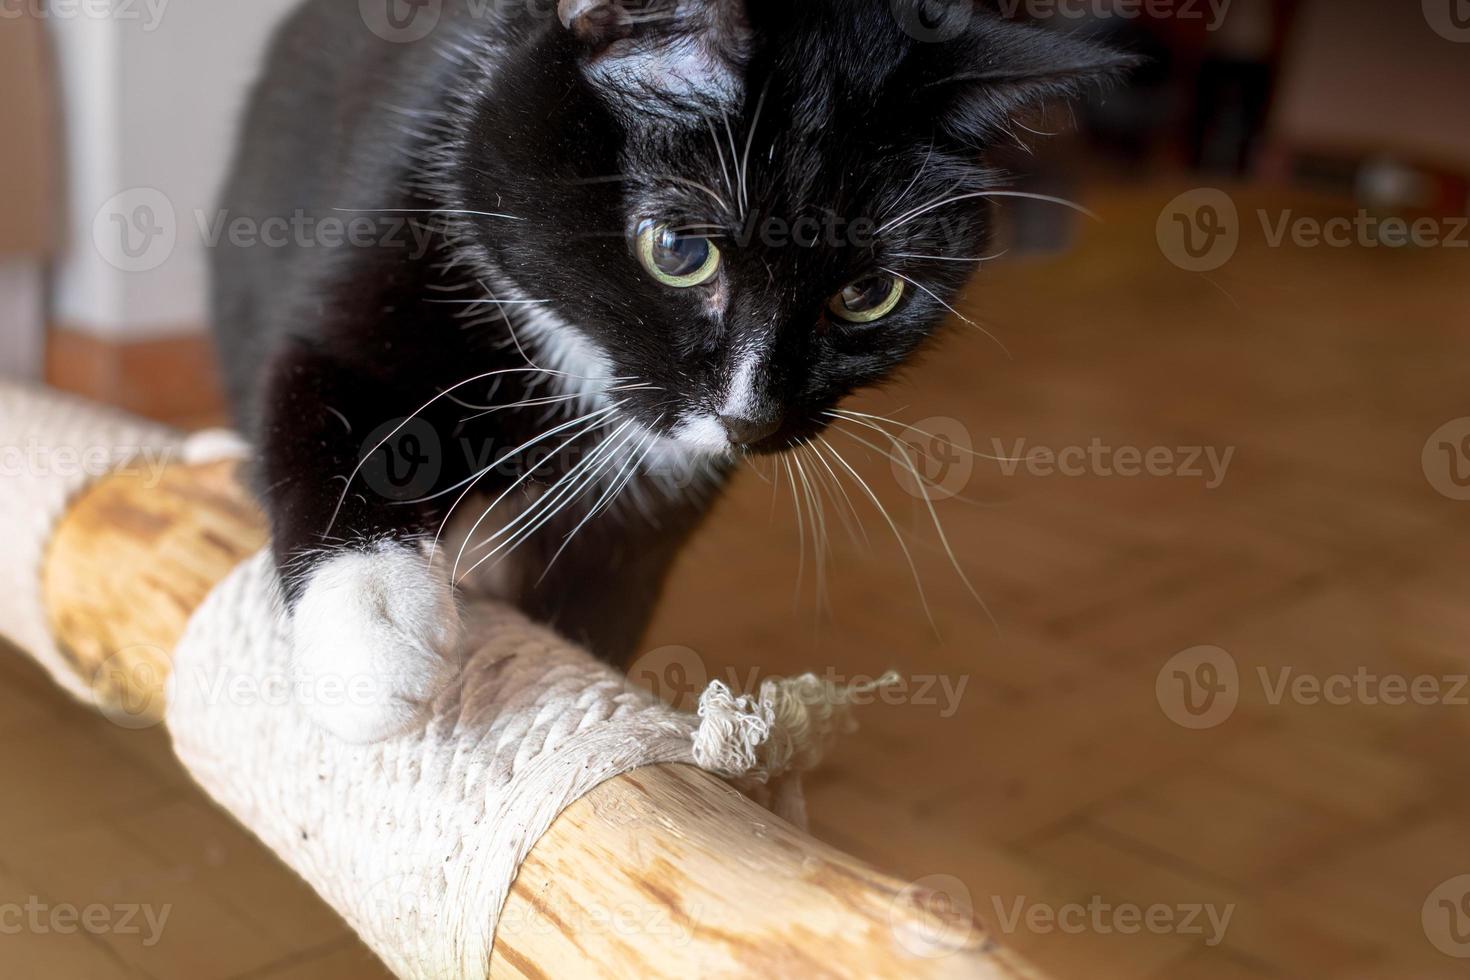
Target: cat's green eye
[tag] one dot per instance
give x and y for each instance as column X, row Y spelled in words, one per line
column 674, row 259
column 868, row 299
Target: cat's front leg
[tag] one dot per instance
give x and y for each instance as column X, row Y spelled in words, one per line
column 374, row 622
column 600, row 591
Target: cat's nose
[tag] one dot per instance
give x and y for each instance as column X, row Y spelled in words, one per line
column 748, row 432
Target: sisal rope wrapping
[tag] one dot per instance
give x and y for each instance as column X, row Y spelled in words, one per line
column 52, row 447
column 416, row 840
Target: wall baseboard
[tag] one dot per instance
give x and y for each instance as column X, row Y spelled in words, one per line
column 173, row 380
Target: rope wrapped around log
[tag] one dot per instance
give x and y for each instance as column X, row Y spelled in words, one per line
column 549, row 818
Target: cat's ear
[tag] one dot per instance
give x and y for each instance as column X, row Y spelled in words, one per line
column 669, row 52
column 1014, row 68
column 604, row 25
column 598, row 22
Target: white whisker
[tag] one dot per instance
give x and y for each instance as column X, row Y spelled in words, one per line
column 347, row 481
column 627, row 471
column 484, row 410
column 800, row 531
column 549, row 503
column 734, row 155
column 936, row 297
column 954, row 560
column 482, row 214
column 912, row 183
column 469, row 482
column 1048, row 198
column 481, row 302
column 950, row 258
column 572, row 484
column 750, row 139
column 820, row 543
column 898, row 535
column 846, row 501
column 858, row 417
column 724, row 171
column 596, row 417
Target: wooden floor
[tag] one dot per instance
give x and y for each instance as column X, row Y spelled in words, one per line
column 1034, row 768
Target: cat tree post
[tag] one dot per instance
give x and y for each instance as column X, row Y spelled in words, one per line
column 664, row 871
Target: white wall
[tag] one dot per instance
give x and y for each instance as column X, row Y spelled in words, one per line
column 150, row 103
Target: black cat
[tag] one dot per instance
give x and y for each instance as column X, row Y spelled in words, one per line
column 592, row 251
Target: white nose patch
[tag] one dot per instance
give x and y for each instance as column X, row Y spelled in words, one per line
column 740, row 397
column 705, row 432
column 702, row 432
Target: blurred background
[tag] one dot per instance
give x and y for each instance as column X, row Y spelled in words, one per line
column 1210, row 478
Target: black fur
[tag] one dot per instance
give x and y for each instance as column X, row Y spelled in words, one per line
column 579, row 132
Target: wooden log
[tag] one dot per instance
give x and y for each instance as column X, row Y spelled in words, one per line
column 129, row 564
column 662, row 872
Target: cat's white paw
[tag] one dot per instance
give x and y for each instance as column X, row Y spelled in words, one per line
column 376, row 638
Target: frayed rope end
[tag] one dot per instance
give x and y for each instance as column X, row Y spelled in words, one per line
column 787, row 728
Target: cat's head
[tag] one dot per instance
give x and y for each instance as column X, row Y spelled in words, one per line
column 746, row 209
